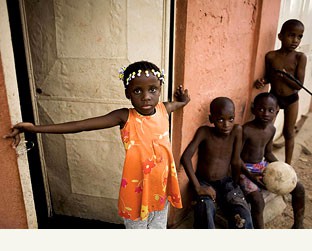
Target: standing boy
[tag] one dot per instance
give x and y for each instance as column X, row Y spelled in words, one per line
column 289, row 60
column 218, row 156
column 257, row 153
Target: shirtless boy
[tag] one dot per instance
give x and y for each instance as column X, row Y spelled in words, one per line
column 289, row 60
column 257, row 153
column 218, row 157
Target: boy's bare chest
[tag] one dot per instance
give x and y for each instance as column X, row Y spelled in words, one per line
column 218, row 146
column 259, row 138
column 285, row 62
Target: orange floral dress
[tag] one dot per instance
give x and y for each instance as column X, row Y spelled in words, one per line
column 149, row 175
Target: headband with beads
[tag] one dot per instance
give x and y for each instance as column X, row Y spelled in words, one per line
column 159, row 75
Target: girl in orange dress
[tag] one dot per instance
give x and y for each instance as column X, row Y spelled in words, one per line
column 149, row 180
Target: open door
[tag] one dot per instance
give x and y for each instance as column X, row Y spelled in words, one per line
column 74, row 50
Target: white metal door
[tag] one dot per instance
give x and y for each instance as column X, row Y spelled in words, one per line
column 75, row 48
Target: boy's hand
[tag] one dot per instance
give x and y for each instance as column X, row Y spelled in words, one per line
column 207, row 191
column 15, row 132
column 182, row 95
column 258, row 179
column 280, row 73
column 260, row 83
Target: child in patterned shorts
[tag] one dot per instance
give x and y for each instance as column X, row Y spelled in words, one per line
column 257, row 153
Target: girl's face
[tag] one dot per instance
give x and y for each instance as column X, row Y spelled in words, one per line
column 223, row 119
column 292, row 37
column 144, row 93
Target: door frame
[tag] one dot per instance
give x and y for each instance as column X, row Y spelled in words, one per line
column 33, row 185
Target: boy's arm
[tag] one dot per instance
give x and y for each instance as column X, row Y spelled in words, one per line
column 268, row 66
column 236, row 160
column 186, row 158
column 268, row 152
column 182, row 98
column 114, row 118
column 186, row 161
column 302, row 62
column 261, row 82
column 243, row 168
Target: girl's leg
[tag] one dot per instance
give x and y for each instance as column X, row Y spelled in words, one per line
column 290, row 117
column 137, row 224
column 156, row 219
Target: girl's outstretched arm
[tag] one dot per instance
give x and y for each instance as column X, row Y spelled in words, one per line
column 114, row 118
column 182, row 98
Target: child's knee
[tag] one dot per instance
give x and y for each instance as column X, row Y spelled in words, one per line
column 289, row 133
column 257, row 202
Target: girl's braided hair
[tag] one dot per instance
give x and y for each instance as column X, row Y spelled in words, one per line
column 138, row 67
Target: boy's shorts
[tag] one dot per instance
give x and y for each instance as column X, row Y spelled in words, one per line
column 246, row 184
column 285, row 101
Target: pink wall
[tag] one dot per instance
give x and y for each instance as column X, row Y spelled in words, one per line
column 12, row 208
column 220, row 48
column 218, row 53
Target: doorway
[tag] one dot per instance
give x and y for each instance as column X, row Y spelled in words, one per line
column 27, row 111
column 78, row 196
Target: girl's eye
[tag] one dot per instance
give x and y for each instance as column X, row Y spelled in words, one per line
column 153, row 89
column 271, row 110
column 220, row 120
column 137, row 91
column 231, row 119
column 261, row 110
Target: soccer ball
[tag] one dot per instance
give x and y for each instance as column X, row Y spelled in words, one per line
column 279, row 178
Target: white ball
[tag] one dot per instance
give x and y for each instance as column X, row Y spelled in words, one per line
column 279, row 178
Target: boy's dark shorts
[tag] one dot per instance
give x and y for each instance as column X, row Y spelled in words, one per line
column 285, row 101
